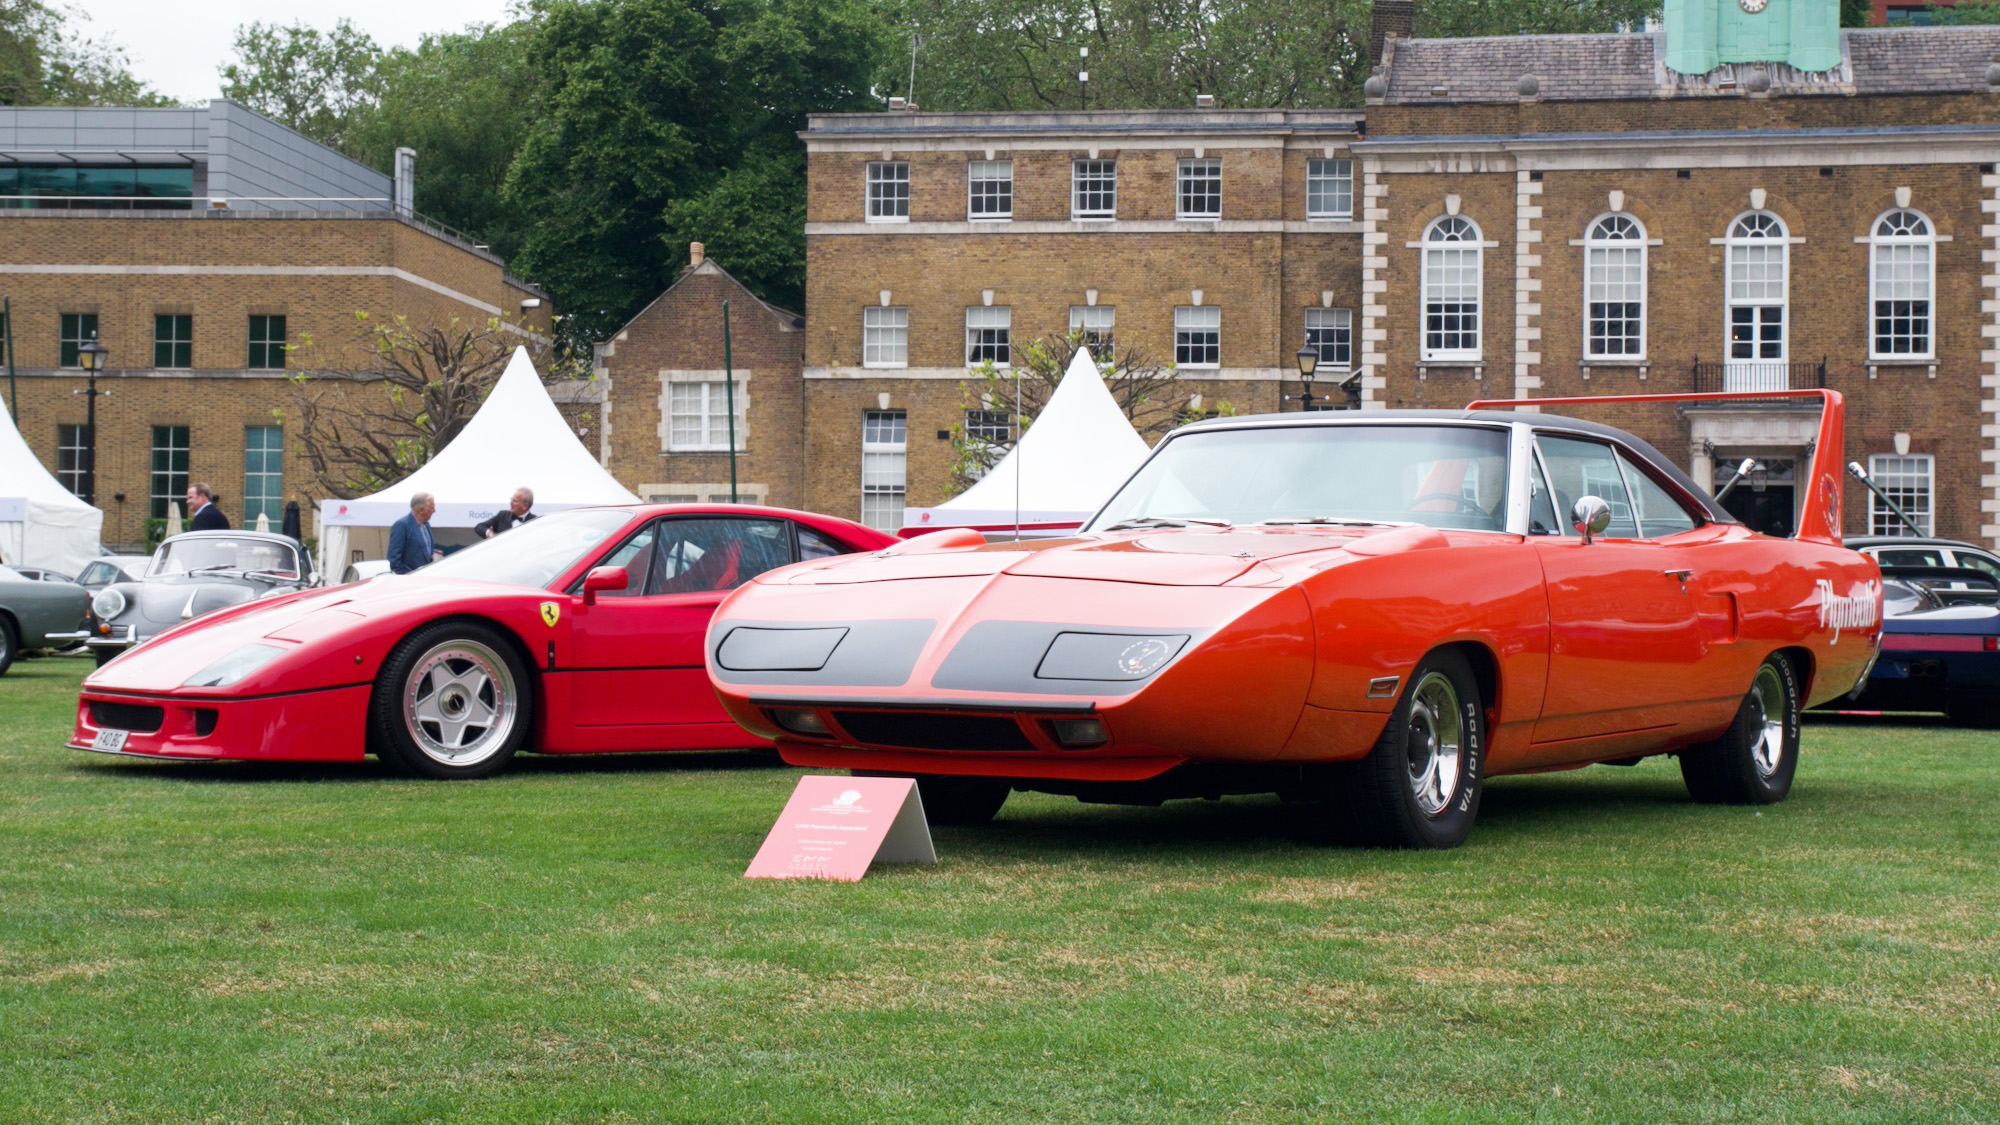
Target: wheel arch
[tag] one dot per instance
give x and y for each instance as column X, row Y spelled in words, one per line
column 1804, row 668
column 1485, row 666
column 506, row 632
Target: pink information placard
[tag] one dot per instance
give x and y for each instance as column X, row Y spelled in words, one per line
column 834, row 827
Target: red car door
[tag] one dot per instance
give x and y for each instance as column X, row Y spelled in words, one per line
column 1627, row 631
column 636, row 655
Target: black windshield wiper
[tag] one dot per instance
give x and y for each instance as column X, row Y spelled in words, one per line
column 1165, row 521
column 1342, row 521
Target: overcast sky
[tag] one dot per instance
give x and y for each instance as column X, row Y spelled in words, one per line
column 177, row 48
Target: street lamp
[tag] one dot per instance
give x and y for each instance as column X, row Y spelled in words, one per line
column 91, row 356
column 1308, row 363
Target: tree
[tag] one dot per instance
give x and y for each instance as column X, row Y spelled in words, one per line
column 43, row 61
column 462, row 100
column 313, row 81
column 364, row 429
column 659, row 122
column 1146, row 392
column 1963, row 14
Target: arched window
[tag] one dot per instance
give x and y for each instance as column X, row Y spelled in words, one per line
column 1902, row 271
column 1614, row 286
column 1758, row 258
column 1451, row 286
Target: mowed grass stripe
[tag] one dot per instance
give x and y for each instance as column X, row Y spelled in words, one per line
column 574, row 940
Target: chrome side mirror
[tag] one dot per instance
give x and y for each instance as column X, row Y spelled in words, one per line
column 1590, row 515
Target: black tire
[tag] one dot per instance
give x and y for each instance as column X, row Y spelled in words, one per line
column 953, row 800
column 1420, row 786
column 10, row 644
column 1967, row 710
column 105, row 656
column 1754, row 760
column 453, row 701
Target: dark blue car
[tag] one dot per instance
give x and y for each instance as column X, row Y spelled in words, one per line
column 1940, row 646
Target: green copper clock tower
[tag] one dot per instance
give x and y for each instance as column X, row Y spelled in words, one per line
column 1702, row 34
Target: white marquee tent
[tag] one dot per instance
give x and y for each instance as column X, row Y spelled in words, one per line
column 1064, row 467
column 517, row 438
column 41, row 522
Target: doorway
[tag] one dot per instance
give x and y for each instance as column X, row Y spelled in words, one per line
column 1766, row 499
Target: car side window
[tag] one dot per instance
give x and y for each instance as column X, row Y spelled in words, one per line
column 1659, row 513
column 814, row 545
column 1910, row 557
column 1587, row 468
column 636, row 555
column 718, row 554
column 95, row 574
column 1980, row 563
column 1543, row 519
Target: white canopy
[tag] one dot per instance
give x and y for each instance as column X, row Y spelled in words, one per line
column 41, row 522
column 1063, row 468
column 518, row 438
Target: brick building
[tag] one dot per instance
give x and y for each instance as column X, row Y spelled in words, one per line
column 215, row 254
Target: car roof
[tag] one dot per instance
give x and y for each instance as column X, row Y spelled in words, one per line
column 1581, row 427
column 1864, row 542
column 232, row 533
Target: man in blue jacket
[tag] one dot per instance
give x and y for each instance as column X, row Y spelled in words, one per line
column 410, row 545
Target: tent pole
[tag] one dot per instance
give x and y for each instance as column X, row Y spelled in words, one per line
column 729, row 392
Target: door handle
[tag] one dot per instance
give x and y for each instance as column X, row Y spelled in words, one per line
column 1681, row 576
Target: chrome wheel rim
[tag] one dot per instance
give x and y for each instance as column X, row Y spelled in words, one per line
column 460, row 703
column 1767, row 701
column 1434, row 743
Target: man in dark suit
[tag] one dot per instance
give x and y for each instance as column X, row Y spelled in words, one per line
column 203, row 515
column 410, row 545
column 515, row 512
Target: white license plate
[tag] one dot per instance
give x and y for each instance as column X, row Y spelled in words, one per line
column 109, row 740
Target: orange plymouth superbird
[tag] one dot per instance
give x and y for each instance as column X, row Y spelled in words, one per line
column 1379, row 609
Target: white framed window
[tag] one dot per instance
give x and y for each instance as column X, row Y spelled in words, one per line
column 72, row 451
column 884, row 467
column 888, row 191
column 989, row 190
column 989, row 333
column 1902, row 274
column 1096, row 325
column 1452, row 286
column 1329, row 189
column 698, row 416
column 1198, row 335
column 1759, row 260
column 1908, row 481
column 1198, row 189
column 1093, row 189
column 1614, row 289
column 885, row 336
column 990, row 434
column 1330, row 332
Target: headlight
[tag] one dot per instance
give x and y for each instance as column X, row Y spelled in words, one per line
column 1108, row 656
column 235, row 666
column 108, row 603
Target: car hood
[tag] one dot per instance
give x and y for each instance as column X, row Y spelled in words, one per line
column 1967, row 619
column 166, row 601
column 1175, row 557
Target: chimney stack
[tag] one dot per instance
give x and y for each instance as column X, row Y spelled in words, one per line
column 1390, row 19
column 695, row 254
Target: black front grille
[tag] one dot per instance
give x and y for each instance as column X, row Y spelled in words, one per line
column 143, row 718
column 204, row 721
column 919, row 730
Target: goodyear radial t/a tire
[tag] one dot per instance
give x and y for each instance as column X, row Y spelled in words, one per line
column 1754, row 760
column 452, row 701
column 1420, row 786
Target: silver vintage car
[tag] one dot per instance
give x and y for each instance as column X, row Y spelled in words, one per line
column 36, row 615
column 192, row 574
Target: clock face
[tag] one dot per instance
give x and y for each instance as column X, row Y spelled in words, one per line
column 1752, row 6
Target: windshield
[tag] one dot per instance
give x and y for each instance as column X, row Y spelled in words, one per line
column 1443, row 476
column 533, row 553
column 186, row 556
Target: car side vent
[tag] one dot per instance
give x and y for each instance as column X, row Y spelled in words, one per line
column 204, row 721
column 919, row 730
column 141, row 718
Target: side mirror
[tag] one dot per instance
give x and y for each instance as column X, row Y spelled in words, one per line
column 1590, row 515
column 604, row 578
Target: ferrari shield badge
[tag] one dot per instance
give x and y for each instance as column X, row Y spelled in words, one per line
column 551, row 612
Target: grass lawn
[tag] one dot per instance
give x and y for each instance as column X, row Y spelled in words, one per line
column 575, row 941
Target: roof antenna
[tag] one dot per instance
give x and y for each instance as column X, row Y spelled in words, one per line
column 1021, row 422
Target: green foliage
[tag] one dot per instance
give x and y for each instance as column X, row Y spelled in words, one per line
column 1856, row 13
column 45, row 61
column 313, row 81
column 462, row 100
column 1960, row 15
column 658, row 120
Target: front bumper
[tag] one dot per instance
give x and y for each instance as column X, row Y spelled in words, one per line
column 312, row 726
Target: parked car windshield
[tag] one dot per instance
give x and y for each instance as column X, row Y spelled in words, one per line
column 533, row 553
column 1443, row 476
column 191, row 555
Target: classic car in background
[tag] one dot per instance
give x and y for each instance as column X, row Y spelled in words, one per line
column 1940, row 646
column 1907, row 551
column 106, row 569
column 36, row 614
column 1382, row 608
column 190, row 574
column 581, row 631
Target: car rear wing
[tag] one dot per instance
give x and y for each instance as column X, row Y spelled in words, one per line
column 1819, row 514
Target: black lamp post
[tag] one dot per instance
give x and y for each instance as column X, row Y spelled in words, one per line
column 91, row 356
column 1308, row 363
